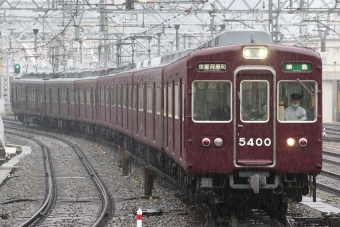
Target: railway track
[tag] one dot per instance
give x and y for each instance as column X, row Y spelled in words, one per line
column 56, row 200
column 258, row 217
column 120, row 198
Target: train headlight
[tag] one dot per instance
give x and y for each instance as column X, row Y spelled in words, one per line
column 255, row 52
column 206, row 142
column 218, row 142
column 303, row 142
column 290, row 142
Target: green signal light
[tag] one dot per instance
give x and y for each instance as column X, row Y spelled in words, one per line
column 17, row 68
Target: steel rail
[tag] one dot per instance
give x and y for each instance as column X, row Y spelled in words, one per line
column 106, row 208
column 50, row 198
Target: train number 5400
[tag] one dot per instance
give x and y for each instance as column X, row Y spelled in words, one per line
column 255, row 142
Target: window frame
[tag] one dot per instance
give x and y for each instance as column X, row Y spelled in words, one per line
column 230, row 102
column 267, row 101
column 316, row 102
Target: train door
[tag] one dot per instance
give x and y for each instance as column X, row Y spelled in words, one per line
column 254, row 121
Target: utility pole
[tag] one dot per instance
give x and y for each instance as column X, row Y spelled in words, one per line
column 177, row 38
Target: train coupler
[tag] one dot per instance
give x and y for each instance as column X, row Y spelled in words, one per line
column 256, row 181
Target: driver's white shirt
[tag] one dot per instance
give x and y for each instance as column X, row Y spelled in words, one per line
column 292, row 114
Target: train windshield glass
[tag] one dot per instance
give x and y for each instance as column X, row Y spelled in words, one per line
column 297, row 101
column 211, row 101
column 254, row 96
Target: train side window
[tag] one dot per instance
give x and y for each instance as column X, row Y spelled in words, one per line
column 140, row 98
column 254, row 100
column 118, row 96
column 76, row 96
column 164, row 92
column 113, row 101
column 14, row 95
column 124, row 96
column 149, row 100
column 48, row 92
column 34, row 94
column 88, row 96
column 102, row 100
column 41, row 95
column 81, row 96
column 71, row 96
column 63, row 96
column 297, row 101
column 130, row 97
column 54, row 95
column 211, row 101
column 170, row 106
column 93, row 94
column 107, row 95
column 177, row 101
column 134, row 100
column 158, row 99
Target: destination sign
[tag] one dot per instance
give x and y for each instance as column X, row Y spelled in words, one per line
column 212, row 67
column 297, row 67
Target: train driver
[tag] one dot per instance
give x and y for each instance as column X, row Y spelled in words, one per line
column 294, row 111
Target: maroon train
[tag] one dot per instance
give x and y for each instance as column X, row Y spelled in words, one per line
column 214, row 119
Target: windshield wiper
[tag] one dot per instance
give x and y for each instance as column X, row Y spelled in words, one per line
column 305, row 86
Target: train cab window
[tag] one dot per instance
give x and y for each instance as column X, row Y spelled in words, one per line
column 254, row 100
column 297, row 101
column 211, row 101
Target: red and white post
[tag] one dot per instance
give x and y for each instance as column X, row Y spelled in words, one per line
column 139, row 217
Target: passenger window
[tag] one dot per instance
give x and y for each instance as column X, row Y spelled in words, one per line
column 254, row 101
column 211, row 101
column 297, row 100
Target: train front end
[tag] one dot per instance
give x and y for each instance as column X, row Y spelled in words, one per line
column 255, row 128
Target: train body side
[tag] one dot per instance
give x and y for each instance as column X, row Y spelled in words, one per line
column 147, row 115
column 59, row 100
column 86, row 100
column 28, row 99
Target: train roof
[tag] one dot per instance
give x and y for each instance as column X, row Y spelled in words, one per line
column 64, row 79
column 27, row 80
column 245, row 36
